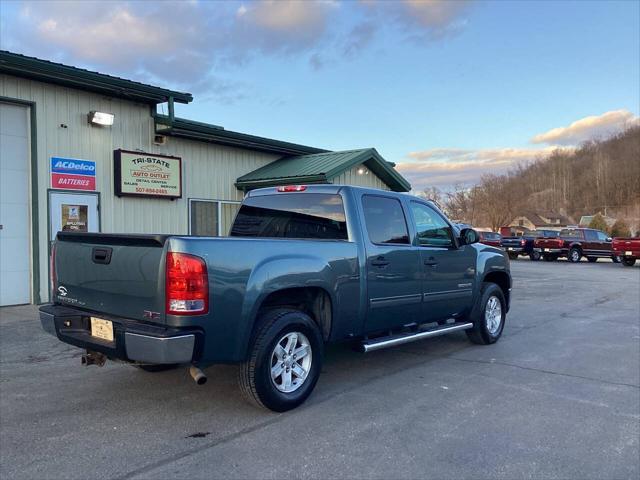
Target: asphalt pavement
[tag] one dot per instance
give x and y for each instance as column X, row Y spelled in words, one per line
column 557, row 397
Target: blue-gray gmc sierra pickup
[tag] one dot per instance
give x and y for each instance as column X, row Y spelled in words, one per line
column 303, row 265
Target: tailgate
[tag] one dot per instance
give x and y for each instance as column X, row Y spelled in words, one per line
column 548, row 243
column 511, row 242
column 115, row 275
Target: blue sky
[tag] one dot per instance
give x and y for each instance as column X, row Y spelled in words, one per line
column 448, row 90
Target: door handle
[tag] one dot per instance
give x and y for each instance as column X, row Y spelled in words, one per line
column 430, row 262
column 380, row 262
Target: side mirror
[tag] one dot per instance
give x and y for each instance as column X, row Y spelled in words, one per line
column 609, row 239
column 468, row 236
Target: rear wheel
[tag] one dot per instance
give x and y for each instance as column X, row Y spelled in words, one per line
column 285, row 361
column 628, row 261
column 592, row 259
column 534, row 256
column 616, row 258
column 488, row 315
column 574, row 255
column 513, row 256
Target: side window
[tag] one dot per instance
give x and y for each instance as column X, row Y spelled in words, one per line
column 602, row 237
column 590, row 236
column 433, row 230
column 385, row 220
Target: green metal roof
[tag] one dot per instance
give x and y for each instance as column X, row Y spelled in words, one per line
column 73, row 77
column 322, row 168
column 190, row 129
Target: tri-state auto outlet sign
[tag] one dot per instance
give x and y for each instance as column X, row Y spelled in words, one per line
column 73, row 174
column 139, row 174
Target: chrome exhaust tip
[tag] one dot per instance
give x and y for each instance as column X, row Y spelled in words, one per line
column 198, row 375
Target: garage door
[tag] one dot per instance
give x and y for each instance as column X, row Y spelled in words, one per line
column 14, row 205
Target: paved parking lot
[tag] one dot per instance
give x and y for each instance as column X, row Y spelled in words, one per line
column 557, row 397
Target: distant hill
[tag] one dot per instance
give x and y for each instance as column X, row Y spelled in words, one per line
column 600, row 176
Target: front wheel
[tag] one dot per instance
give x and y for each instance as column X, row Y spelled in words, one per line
column 574, row 255
column 534, row 256
column 284, row 362
column 628, row 261
column 488, row 315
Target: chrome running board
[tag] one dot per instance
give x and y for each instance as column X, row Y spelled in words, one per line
column 393, row 340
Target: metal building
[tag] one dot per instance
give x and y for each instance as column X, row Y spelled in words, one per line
column 81, row 150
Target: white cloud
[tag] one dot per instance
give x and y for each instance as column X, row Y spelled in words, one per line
column 589, row 128
column 180, row 44
column 445, row 167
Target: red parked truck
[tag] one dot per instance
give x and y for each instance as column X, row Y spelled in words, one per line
column 628, row 249
column 575, row 243
column 490, row 238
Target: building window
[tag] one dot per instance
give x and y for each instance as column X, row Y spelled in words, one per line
column 211, row 218
column 521, row 223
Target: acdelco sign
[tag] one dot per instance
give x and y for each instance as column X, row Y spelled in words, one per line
column 73, row 174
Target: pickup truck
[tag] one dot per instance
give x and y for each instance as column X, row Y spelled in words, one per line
column 574, row 243
column 525, row 245
column 492, row 239
column 627, row 249
column 304, row 265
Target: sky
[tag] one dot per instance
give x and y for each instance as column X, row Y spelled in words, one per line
column 448, row 90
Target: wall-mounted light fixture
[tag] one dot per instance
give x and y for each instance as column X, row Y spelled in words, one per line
column 101, row 118
column 362, row 171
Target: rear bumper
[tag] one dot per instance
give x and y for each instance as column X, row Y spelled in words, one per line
column 546, row 250
column 627, row 253
column 133, row 341
column 513, row 249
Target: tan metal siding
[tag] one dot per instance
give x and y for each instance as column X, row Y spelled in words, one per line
column 367, row 179
column 209, row 170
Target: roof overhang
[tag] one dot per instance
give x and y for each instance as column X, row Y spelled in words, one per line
column 81, row 79
column 203, row 132
column 368, row 157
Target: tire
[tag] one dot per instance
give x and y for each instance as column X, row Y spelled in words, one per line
column 513, row 256
column 574, row 255
column 616, row 258
column 481, row 333
column 628, row 261
column 592, row 259
column 534, row 256
column 157, row 368
column 277, row 327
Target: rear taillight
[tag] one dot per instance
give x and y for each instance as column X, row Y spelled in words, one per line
column 52, row 272
column 292, row 188
column 523, row 242
column 187, row 285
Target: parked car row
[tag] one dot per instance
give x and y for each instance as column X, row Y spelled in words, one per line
column 570, row 243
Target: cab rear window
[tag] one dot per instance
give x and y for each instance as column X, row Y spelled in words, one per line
column 572, row 233
column 307, row 215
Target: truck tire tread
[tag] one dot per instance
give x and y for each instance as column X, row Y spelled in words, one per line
column 478, row 334
column 249, row 374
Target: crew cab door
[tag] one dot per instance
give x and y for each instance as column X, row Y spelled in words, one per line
column 449, row 270
column 394, row 269
column 605, row 244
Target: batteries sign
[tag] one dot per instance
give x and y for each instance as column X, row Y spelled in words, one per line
column 73, row 174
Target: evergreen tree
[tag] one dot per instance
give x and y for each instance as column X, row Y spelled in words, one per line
column 598, row 223
column 620, row 229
